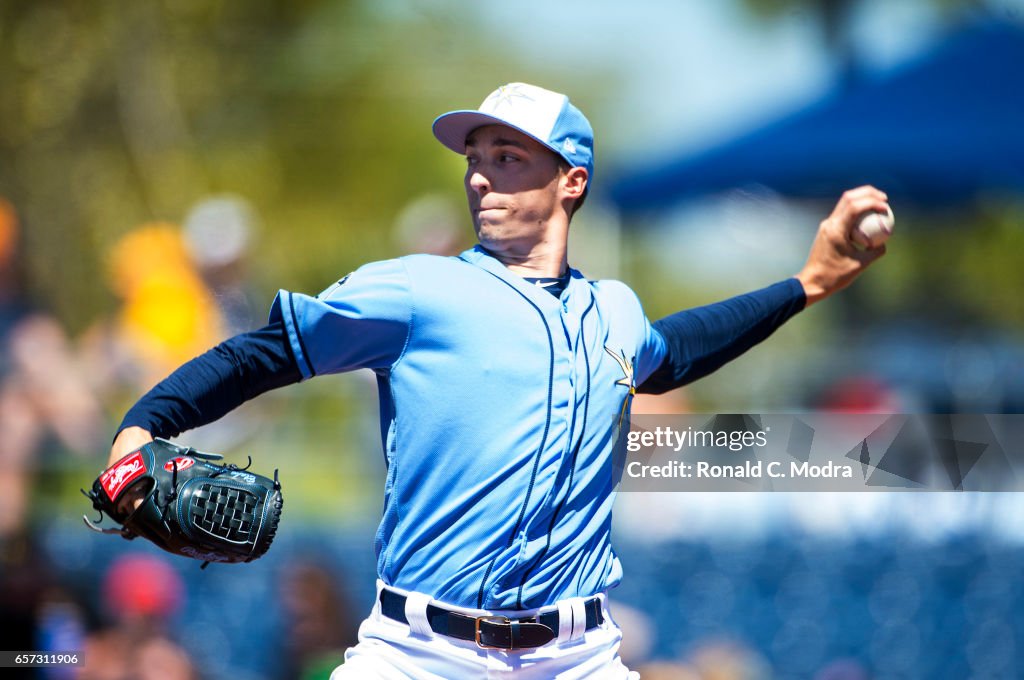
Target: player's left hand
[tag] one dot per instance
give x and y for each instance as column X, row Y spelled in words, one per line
column 835, row 260
column 188, row 503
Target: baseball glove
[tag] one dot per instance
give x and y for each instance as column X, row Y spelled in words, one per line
column 191, row 505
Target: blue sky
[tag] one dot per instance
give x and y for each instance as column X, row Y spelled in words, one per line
column 698, row 72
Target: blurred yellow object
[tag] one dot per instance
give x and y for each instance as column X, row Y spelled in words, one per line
column 153, row 246
column 169, row 315
column 8, row 229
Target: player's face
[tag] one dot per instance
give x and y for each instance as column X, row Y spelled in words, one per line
column 512, row 183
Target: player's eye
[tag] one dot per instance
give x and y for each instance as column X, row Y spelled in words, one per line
column 508, row 158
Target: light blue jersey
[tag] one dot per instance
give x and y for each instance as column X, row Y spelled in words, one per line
column 499, row 409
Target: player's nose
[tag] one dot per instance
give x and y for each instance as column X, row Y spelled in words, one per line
column 478, row 182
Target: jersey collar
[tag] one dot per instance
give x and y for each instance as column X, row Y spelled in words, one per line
column 576, row 294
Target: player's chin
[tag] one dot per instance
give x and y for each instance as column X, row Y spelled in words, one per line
column 488, row 231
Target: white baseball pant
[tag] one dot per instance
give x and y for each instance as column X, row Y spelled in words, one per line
column 390, row 650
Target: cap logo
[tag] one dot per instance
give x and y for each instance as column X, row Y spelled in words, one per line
column 568, row 147
column 504, row 95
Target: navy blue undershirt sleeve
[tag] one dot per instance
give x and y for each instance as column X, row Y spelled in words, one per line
column 214, row 383
column 699, row 341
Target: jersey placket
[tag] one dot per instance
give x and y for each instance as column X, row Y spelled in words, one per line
column 540, row 499
column 573, row 308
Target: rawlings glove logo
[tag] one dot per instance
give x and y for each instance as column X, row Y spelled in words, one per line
column 184, row 463
column 117, row 478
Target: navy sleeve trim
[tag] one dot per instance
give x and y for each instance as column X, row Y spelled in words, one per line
column 700, row 341
column 209, row 386
column 298, row 334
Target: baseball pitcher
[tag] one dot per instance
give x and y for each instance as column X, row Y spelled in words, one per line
column 504, row 374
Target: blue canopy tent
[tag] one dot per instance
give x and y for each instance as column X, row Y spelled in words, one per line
column 937, row 130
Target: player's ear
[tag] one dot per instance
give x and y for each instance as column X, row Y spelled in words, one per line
column 574, row 182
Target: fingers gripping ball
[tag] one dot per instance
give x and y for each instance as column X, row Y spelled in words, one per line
column 874, row 228
column 191, row 505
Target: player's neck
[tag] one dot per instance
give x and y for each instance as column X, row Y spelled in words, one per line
column 543, row 260
column 541, row 254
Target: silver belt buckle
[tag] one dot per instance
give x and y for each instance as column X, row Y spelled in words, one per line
column 490, row 619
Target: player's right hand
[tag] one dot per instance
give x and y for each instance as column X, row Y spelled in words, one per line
column 835, row 261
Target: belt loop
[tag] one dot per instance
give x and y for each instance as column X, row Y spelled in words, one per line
column 579, row 617
column 564, row 620
column 416, row 614
column 376, row 612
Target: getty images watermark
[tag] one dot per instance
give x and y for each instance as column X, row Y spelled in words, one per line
column 821, row 452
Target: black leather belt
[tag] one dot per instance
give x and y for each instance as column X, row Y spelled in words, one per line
column 489, row 632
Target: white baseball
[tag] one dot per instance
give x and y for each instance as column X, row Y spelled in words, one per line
column 874, row 228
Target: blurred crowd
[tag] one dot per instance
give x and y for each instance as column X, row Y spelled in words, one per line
column 179, row 289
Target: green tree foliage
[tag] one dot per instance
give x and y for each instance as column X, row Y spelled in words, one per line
column 114, row 114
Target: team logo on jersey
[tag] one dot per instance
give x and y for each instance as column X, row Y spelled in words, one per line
column 627, row 369
column 626, row 380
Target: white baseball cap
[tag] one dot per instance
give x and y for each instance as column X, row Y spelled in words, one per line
column 546, row 116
